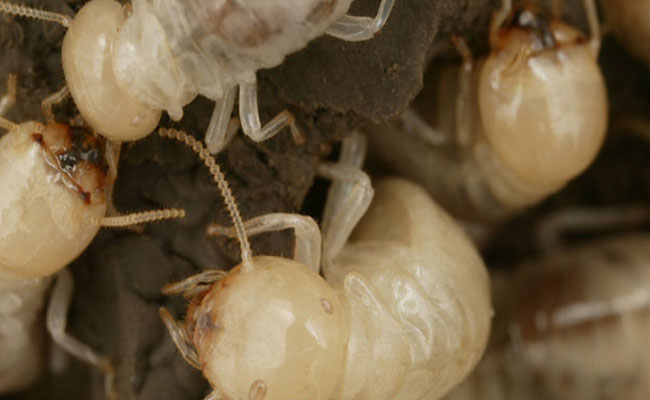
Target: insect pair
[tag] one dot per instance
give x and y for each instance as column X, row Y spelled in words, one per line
column 125, row 65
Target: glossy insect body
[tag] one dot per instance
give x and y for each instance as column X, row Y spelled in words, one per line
column 571, row 326
column 531, row 117
column 57, row 175
column 403, row 313
column 628, row 20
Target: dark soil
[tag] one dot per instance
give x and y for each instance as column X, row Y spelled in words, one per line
column 331, row 86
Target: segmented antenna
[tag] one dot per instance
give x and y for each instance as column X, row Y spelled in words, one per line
column 139, row 218
column 29, row 12
column 222, row 183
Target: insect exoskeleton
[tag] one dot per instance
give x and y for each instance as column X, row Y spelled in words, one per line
column 571, row 325
column 55, row 178
column 124, row 66
column 403, row 312
column 628, row 20
column 529, row 118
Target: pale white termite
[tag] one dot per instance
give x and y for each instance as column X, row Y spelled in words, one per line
column 125, row 65
column 572, row 325
column 629, row 20
column 52, row 203
column 529, row 118
column 403, row 311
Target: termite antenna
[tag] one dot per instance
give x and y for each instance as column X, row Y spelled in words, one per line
column 29, row 12
column 222, row 183
column 139, row 218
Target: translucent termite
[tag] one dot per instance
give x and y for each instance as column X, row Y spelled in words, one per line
column 403, row 312
column 55, row 179
column 571, row 325
column 629, row 20
column 518, row 127
column 124, row 66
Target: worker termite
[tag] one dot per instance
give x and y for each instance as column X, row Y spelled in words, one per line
column 403, row 312
column 124, row 66
column 628, row 20
column 573, row 325
column 54, row 180
column 515, row 129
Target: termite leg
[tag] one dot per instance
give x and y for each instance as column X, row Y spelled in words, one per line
column 307, row 248
column 463, row 110
column 412, row 122
column 250, row 118
column 7, row 101
column 550, row 230
column 594, row 26
column 177, row 332
column 57, row 314
column 193, row 284
column 9, row 98
column 498, row 19
column 348, row 198
column 222, row 128
column 355, row 29
column 51, row 100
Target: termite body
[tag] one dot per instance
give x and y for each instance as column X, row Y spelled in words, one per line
column 402, row 313
column 55, row 181
column 493, row 139
column 573, row 325
column 125, row 66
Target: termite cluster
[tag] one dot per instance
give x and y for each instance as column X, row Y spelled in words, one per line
column 442, row 271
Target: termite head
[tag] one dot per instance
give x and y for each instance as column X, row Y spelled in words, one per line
column 79, row 155
column 276, row 332
column 542, row 99
column 87, row 55
column 57, row 178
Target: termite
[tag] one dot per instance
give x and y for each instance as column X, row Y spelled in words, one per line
column 628, row 20
column 575, row 323
column 518, row 127
column 55, row 180
column 125, row 65
column 402, row 313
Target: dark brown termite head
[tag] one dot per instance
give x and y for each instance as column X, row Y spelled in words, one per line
column 532, row 28
column 79, row 156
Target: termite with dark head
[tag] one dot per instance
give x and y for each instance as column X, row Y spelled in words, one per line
column 55, row 180
column 519, row 126
column 124, row 66
column 575, row 323
column 403, row 311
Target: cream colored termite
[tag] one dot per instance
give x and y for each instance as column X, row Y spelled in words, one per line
column 54, row 180
column 403, row 311
column 629, row 20
column 575, row 323
column 514, row 128
column 125, row 66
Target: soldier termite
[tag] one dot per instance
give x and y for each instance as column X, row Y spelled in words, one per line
column 125, row 66
column 516, row 128
column 403, row 313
